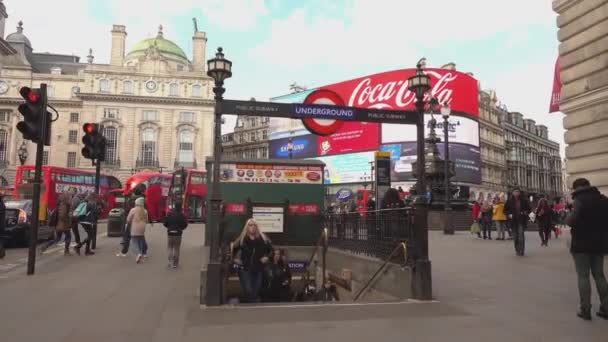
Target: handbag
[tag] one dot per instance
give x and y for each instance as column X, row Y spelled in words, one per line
column 475, row 228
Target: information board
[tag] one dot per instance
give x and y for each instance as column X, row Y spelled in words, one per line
column 269, row 219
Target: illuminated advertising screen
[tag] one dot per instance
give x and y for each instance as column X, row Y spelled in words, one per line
column 347, row 168
column 351, row 137
column 304, row 146
column 460, row 130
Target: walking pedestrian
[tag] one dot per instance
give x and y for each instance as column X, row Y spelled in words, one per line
column 278, row 282
column 175, row 222
column 544, row 220
column 138, row 219
column 125, row 243
column 88, row 213
column 76, row 200
column 517, row 209
column 64, row 221
column 485, row 218
column 589, row 244
column 476, row 211
column 255, row 250
column 499, row 217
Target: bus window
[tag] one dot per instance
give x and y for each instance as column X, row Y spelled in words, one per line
column 197, row 179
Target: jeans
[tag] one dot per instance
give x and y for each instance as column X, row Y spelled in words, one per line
column 545, row 232
column 173, row 245
column 584, row 263
column 519, row 237
column 251, row 283
column 486, row 228
column 140, row 244
column 75, row 230
column 500, row 229
column 88, row 228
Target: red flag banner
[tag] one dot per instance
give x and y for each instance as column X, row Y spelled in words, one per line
column 557, row 88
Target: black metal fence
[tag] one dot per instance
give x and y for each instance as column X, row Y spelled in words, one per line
column 372, row 233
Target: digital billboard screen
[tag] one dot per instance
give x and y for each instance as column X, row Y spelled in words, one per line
column 351, row 137
column 347, row 168
column 304, row 146
column 460, row 130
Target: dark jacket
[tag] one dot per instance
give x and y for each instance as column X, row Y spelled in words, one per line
column 251, row 253
column 544, row 214
column 279, row 281
column 522, row 216
column 588, row 220
column 175, row 222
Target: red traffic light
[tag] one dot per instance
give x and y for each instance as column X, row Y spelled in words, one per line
column 29, row 95
column 89, row 128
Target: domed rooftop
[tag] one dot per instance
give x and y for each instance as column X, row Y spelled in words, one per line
column 163, row 45
column 19, row 37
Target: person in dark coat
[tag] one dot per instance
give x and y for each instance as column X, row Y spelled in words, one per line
column 175, row 222
column 517, row 209
column 255, row 251
column 589, row 245
column 278, row 278
column 544, row 220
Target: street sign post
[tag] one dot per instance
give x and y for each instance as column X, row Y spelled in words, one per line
column 318, row 111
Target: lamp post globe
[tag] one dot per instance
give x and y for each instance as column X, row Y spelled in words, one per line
column 220, row 69
column 446, row 111
column 419, row 83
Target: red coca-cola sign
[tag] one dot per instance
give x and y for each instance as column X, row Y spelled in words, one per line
column 389, row 90
column 352, row 137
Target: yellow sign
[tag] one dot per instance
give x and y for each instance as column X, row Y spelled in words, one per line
column 383, row 154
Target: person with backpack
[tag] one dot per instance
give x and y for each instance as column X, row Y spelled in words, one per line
column 589, row 244
column 175, row 222
column 76, row 199
column 138, row 219
column 59, row 220
column 88, row 212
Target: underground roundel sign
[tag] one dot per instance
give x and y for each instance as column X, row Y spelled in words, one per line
column 323, row 126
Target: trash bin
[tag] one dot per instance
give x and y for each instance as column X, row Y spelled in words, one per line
column 116, row 222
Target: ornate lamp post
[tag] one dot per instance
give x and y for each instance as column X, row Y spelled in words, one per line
column 22, row 153
column 419, row 84
column 219, row 69
column 445, row 112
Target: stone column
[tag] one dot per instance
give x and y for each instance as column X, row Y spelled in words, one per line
column 583, row 50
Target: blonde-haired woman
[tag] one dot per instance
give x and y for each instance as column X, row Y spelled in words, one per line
column 485, row 217
column 255, row 249
column 138, row 218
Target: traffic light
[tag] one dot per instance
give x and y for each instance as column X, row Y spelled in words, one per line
column 33, row 111
column 94, row 142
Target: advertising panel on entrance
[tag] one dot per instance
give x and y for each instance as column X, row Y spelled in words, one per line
column 351, row 137
column 269, row 219
column 304, row 146
column 256, row 173
column 460, row 129
column 347, row 168
column 466, row 159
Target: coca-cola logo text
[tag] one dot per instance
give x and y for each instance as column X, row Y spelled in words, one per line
column 396, row 95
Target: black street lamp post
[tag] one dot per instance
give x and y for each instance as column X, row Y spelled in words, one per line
column 219, row 69
column 445, row 112
column 419, row 84
column 22, row 153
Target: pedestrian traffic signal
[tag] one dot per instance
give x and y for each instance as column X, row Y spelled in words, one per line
column 94, row 142
column 34, row 114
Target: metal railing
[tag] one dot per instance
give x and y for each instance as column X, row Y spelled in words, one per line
column 321, row 243
column 371, row 233
column 401, row 247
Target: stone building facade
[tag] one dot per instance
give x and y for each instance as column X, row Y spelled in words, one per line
column 492, row 148
column 583, row 55
column 155, row 104
column 249, row 139
column 533, row 161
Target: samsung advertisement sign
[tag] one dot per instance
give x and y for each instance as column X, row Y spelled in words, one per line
column 304, row 146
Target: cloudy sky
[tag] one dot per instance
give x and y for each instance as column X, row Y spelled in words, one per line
column 510, row 46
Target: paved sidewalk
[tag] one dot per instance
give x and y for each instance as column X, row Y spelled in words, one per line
column 483, row 290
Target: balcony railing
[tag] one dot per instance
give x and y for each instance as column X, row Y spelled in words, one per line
column 147, row 163
column 188, row 165
column 111, row 163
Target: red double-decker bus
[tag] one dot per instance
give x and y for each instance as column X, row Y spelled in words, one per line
column 155, row 188
column 56, row 180
column 189, row 186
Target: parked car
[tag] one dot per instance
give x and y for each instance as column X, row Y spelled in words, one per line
column 19, row 220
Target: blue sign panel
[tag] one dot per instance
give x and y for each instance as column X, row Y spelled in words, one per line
column 344, row 195
column 304, row 146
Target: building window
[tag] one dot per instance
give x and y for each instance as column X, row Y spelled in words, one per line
column 127, row 87
column 197, row 90
column 50, row 91
column 5, row 116
column 241, row 138
column 180, row 67
column 186, row 117
column 45, row 157
column 74, row 117
column 3, row 145
column 148, row 146
column 185, row 154
column 252, row 136
column 104, row 86
column 149, row 115
column 173, row 89
column 111, row 135
column 73, row 136
column 110, row 113
column 264, row 135
column 71, row 159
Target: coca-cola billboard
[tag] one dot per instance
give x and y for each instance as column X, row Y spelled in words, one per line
column 389, row 90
